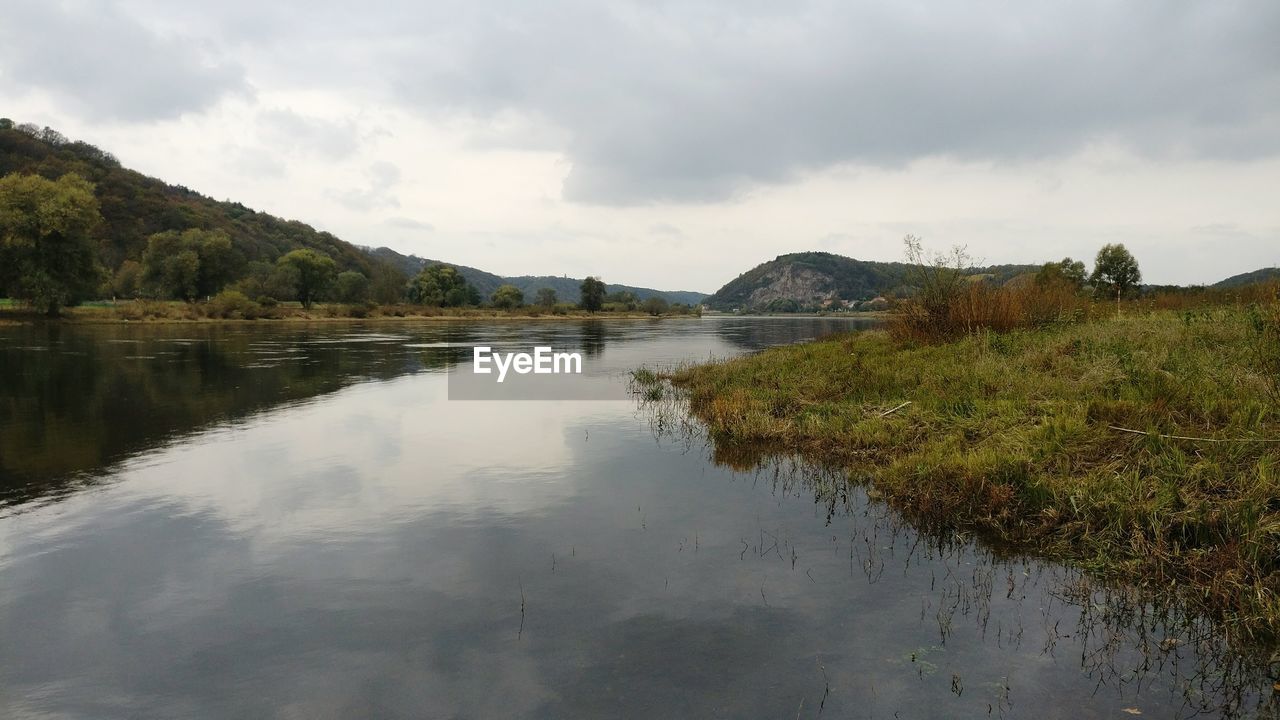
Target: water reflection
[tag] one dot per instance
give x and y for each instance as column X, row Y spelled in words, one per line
column 76, row 399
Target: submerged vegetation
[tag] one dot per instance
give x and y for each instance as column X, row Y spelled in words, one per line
column 1142, row 443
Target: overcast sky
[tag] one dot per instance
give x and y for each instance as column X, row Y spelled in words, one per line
column 678, row 144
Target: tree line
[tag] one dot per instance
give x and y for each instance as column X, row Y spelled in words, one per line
column 50, row 257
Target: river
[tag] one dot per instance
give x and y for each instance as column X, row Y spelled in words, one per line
column 295, row 521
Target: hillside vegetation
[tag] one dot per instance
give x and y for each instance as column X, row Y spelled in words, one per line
column 135, row 206
column 813, row 280
column 75, row 225
column 1249, row 278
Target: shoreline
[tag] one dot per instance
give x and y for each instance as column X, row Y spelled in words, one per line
column 104, row 317
column 109, row 315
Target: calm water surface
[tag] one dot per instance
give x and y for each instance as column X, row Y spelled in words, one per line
column 294, row 522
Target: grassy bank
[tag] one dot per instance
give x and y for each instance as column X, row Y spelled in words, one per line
column 1052, row 439
column 156, row 311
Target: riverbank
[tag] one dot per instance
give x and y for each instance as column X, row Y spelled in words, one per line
column 178, row 312
column 1142, row 447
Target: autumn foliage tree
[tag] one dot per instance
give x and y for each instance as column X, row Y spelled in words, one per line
column 48, row 256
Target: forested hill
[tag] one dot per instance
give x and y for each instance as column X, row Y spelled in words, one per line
column 567, row 288
column 1249, row 278
column 810, row 280
column 135, row 206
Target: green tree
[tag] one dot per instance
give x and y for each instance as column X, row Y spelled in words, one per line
column 188, row 264
column 546, row 297
column 655, row 305
column 351, row 287
column 48, row 256
column 442, row 286
column 315, row 273
column 266, row 281
column 218, row 261
column 1115, row 271
column 507, row 297
column 592, row 294
column 1067, row 271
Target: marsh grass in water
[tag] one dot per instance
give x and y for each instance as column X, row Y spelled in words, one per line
column 1012, row 436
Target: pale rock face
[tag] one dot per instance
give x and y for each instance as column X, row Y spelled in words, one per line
column 802, row 284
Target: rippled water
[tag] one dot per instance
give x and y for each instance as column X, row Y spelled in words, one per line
column 293, row 521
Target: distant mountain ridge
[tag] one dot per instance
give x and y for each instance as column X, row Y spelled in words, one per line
column 1249, row 278
column 812, row 280
column 567, row 288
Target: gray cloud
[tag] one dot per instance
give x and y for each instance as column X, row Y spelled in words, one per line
column 381, row 177
column 409, row 224
column 697, row 102
column 287, row 129
column 797, row 93
column 702, row 101
column 107, row 65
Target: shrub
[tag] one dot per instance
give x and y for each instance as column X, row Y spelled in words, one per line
column 655, row 305
column 231, row 305
column 947, row 303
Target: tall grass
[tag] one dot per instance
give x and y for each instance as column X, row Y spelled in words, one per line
column 975, row 306
column 948, row 302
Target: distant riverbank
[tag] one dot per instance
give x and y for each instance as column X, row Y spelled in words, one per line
column 146, row 311
column 1143, row 447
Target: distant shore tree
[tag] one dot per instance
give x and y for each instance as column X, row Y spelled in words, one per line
column 592, row 294
column 655, row 305
column 508, row 297
column 189, row 264
column 546, row 297
column 48, row 255
column 442, row 286
column 351, row 287
column 387, row 284
column 315, row 273
column 268, row 282
column 1115, row 272
column 622, row 300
